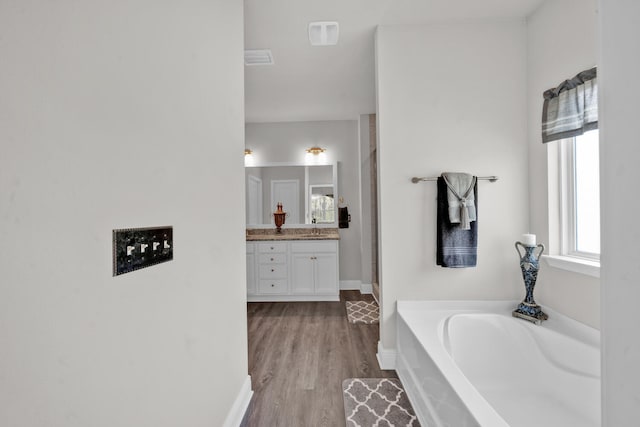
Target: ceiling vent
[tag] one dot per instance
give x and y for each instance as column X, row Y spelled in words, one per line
column 323, row 33
column 258, row 57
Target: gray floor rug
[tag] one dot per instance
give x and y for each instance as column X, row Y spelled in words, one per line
column 363, row 312
column 378, row 402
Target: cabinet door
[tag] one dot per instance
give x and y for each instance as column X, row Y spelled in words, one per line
column 326, row 273
column 302, row 273
column 251, row 274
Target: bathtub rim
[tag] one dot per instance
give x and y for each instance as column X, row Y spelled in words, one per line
column 435, row 313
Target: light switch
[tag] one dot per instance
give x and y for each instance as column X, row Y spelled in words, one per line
column 125, row 241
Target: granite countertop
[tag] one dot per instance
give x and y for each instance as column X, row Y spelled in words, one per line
column 261, row 234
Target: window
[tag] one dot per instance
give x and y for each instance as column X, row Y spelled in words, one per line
column 321, row 204
column 570, row 121
column 580, row 196
column 322, row 209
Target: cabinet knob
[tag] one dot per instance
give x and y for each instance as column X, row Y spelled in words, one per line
column 271, row 259
column 271, row 247
column 272, row 270
column 272, row 285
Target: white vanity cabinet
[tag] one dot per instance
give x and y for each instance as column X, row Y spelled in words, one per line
column 272, row 268
column 293, row 270
column 251, row 269
column 314, row 267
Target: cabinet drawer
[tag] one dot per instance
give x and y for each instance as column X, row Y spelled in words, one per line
column 273, row 286
column 314, row 246
column 272, row 247
column 273, row 271
column 273, row 258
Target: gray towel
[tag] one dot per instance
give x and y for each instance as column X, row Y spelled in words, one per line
column 460, row 198
column 455, row 247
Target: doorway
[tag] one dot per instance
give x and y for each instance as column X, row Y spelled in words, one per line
column 287, row 192
column 373, row 168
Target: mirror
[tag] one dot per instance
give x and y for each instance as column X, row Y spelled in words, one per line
column 307, row 193
column 322, row 204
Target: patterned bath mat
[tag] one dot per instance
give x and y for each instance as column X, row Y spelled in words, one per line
column 362, row 312
column 377, row 402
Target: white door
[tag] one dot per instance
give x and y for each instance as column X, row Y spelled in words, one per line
column 287, row 192
column 254, row 200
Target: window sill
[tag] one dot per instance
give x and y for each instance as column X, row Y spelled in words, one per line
column 577, row 265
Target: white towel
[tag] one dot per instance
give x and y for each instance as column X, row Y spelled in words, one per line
column 460, row 198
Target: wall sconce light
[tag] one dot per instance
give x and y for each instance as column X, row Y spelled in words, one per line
column 315, row 150
column 249, row 159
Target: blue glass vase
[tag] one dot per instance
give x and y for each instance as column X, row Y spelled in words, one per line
column 529, row 264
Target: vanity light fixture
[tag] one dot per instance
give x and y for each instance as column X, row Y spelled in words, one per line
column 249, row 158
column 315, row 150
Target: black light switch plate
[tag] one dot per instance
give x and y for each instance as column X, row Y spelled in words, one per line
column 136, row 248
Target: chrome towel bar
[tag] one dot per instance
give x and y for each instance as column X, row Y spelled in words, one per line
column 416, row 179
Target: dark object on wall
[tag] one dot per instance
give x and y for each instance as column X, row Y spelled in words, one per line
column 343, row 217
column 136, row 248
column 456, row 248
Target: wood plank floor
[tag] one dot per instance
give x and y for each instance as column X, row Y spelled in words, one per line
column 299, row 354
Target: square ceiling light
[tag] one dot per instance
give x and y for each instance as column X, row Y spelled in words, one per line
column 323, row 33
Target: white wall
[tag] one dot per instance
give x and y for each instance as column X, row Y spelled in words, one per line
column 120, row 114
column 619, row 92
column 450, row 98
column 549, row 62
column 287, row 142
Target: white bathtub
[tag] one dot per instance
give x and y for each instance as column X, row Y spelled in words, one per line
column 470, row 363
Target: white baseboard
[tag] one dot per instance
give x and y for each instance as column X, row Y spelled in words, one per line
column 356, row 285
column 366, row 288
column 374, row 297
column 386, row 358
column 291, row 298
column 240, row 405
column 350, row 285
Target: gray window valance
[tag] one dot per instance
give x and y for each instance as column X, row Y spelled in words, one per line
column 571, row 109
